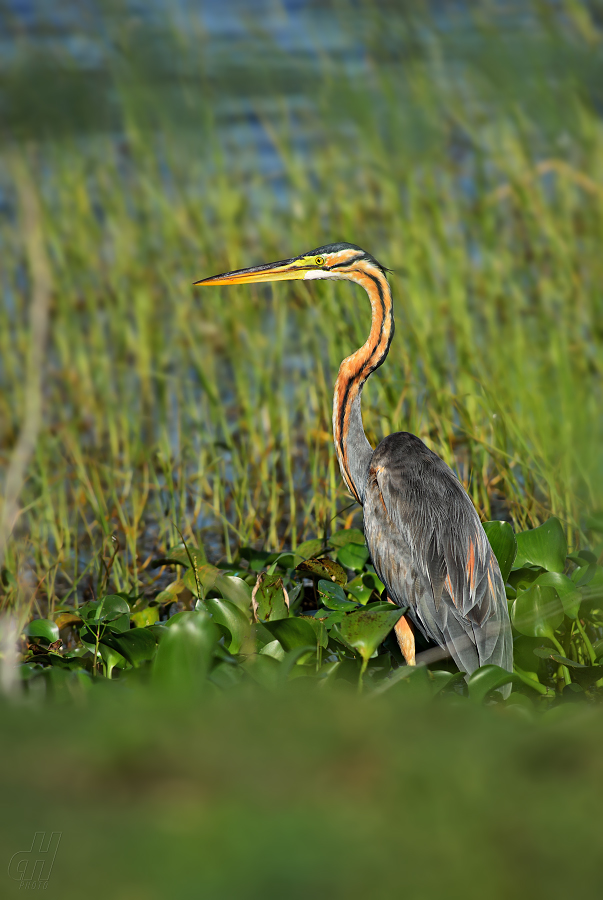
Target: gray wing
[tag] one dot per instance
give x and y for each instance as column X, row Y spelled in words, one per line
column 430, row 550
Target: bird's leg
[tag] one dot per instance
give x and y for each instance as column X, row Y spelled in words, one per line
column 406, row 638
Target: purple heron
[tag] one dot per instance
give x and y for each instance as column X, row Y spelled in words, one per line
column 425, row 538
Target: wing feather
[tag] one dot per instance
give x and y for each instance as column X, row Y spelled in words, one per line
column 430, row 550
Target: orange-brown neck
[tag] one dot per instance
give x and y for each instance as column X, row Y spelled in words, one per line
column 351, row 444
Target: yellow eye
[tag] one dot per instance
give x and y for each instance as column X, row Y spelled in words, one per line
column 320, row 260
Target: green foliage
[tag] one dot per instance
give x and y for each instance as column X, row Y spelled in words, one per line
column 288, row 621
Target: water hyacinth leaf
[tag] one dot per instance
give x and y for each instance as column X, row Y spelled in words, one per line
column 185, row 653
column 333, row 596
column 43, row 628
column 137, row 645
column 233, row 588
column 309, row 549
column 273, row 649
column 231, row 617
column 257, row 559
column 486, row 679
column 522, row 579
column 170, row 593
column 537, row 612
column 584, row 575
column 206, row 576
column 264, row 670
column 114, row 611
column 346, row 536
column 440, row 679
column 353, row 556
column 504, row 545
column 544, row 546
column 587, row 676
column 324, row 568
column 566, row 589
column 333, row 618
column 364, row 630
column 319, row 628
column 295, row 657
column 144, row 617
column 67, row 618
column 528, row 653
column 111, row 658
column 269, row 599
column 292, row 633
column 359, row 590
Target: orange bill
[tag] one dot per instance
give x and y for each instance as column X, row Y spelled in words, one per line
column 284, row 270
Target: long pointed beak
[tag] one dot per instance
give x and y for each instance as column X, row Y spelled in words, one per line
column 284, row 270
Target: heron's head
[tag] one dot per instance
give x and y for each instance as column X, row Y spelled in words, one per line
column 343, row 261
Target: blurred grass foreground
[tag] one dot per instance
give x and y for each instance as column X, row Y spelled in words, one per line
column 462, row 144
column 303, row 795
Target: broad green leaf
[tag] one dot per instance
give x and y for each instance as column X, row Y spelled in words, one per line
column 269, row 599
column 114, row 611
column 257, row 559
column 319, row 628
column 545, row 653
column 185, row 653
column 566, row 589
column 353, row 556
column 364, row 630
column 67, row 618
column 584, row 575
column 264, row 670
column 137, row 645
column 522, row 579
column 358, row 590
column 144, row 617
column 273, row 649
column 330, row 619
column 544, row 546
column 504, row 546
column 525, row 654
column 323, row 568
column 586, row 676
column 346, row 536
column 90, row 611
column 293, row 632
column 158, row 630
column 309, row 549
column 170, row 594
column 333, row 596
column 111, row 658
column 234, row 589
column 439, row 679
column 294, row 658
column 485, row 679
column 43, row 628
column 537, row 612
column 206, row 575
column 234, row 619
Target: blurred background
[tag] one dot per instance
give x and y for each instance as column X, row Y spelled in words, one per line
column 146, row 145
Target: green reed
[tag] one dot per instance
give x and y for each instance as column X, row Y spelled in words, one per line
column 165, row 406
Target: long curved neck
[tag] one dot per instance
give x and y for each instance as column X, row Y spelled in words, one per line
column 353, row 449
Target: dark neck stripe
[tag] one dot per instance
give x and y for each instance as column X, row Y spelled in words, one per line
column 347, row 262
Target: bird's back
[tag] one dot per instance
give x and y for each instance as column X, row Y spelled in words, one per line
column 430, row 550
